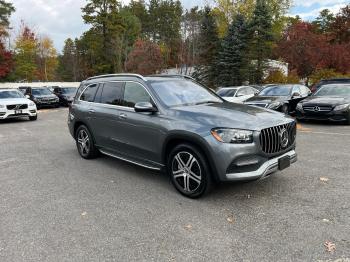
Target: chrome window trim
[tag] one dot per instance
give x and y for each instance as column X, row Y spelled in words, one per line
column 131, row 109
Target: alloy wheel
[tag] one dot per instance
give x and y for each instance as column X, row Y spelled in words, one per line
column 84, row 142
column 186, row 171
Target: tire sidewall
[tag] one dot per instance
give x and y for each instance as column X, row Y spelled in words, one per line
column 92, row 149
column 205, row 171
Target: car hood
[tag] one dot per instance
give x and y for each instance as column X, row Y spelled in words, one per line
column 326, row 100
column 266, row 99
column 13, row 101
column 230, row 115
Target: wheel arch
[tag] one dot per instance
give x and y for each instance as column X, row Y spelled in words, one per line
column 175, row 139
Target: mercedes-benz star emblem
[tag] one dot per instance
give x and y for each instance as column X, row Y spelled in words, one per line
column 284, row 138
column 316, row 109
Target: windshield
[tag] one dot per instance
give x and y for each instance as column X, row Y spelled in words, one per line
column 182, row 92
column 69, row 90
column 10, row 94
column 227, row 92
column 276, row 91
column 334, row 90
column 41, row 92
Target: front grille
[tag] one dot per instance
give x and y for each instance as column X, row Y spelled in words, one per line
column 271, row 139
column 316, row 108
column 17, row 107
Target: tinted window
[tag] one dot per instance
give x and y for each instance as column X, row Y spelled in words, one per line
column 334, row 90
column 41, row 92
column 135, row 93
column 89, row 93
column 276, row 91
column 112, row 93
column 296, row 89
column 305, row 91
column 227, row 92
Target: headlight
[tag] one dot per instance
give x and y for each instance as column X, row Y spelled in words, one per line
column 300, row 107
column 235, row 136
column 31, row 104
column 274, row 105
column 2, row 106
column 341, row 107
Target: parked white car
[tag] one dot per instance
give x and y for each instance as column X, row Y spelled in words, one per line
column 13, row 104
column 237, row 94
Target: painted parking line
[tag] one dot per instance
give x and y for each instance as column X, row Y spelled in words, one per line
column 48, row 111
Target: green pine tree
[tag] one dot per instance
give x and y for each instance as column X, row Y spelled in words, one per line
column 205, row 71
column 232, row 58
column 261, row 40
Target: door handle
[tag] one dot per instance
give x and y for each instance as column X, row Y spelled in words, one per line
column 123, row 116
column 91, row 111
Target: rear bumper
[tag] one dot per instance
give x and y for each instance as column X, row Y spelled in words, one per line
column 265, row 169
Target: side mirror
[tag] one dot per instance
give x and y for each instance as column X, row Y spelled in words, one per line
column 28, row 96
column 145, row 107
column 296, row 95
column 239, row 95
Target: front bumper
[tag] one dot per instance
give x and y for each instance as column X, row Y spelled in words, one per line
column 334, row 116
column 7, row 114
column 265, row 169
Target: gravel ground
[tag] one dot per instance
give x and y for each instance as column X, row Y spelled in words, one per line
column 55, row 206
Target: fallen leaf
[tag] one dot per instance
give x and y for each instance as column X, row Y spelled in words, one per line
column 324, row 179
column 84, row 214
column 326, row 220
column 188, row 227
column 230, row 219
column 330, row 247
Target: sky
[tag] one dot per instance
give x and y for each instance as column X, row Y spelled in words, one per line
column 60, row 19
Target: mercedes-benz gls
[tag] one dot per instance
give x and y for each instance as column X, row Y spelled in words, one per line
column 177, row 125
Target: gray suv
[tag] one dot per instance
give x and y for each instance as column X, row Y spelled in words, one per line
column 174, row 124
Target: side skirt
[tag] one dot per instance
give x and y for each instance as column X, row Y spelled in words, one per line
column 130, row 161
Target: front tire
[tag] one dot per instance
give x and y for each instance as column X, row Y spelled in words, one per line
column 85, row 143
column 188, row 171
column 33, row 118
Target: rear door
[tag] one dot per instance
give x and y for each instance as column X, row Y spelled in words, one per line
column 106, row 115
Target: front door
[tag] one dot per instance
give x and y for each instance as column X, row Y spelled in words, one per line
column 139, row 132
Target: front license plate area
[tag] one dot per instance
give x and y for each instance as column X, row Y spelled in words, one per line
column 18, row 112
column 283, row 162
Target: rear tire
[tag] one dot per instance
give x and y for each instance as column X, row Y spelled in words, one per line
column 33, row 118
column 188, row 171
column 85, row 143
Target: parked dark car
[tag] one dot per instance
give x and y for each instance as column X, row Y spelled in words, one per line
column 42, row 97
column 177, row 125
column 323, row 82
column 331, row 102
column 24, row 89
column 65, row 94
column 282, row 98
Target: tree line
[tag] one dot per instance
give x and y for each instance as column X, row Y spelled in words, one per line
column 228, row 43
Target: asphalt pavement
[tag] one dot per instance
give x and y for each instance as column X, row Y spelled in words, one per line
column 55, row 206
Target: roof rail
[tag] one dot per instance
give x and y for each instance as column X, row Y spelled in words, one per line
column 176, row 76
column 113, row 75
